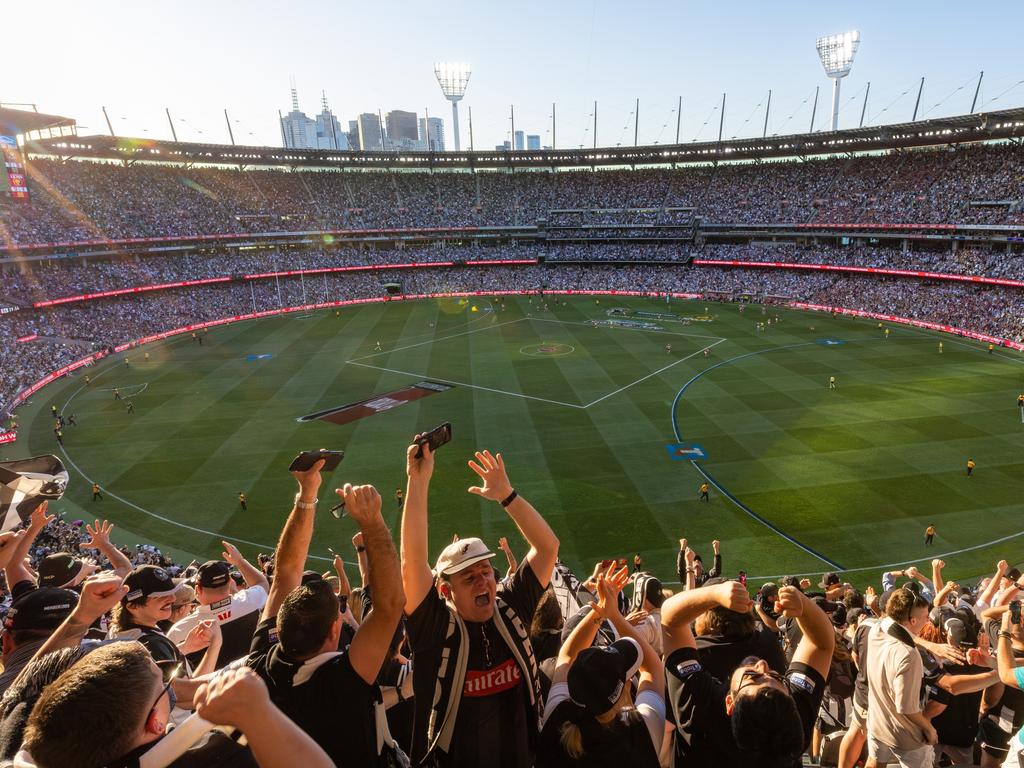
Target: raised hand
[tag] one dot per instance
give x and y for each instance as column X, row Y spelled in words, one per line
column 39, row 519
column 201, row 636
column 357, row 540
column 1002, row 567
column 790, row 602
column 99, row 535
column 99, row 594
column 939, row 564
column 309, row 480
column 503, row 543
column 231, row 554
column 362, row 503
column 637, row 617
column 234, row 697
column 716, row 545
column 734, row 596
column 491, row 469
column 912, row 572
column 419, row 468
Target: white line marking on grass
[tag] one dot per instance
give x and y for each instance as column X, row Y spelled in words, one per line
column 215, row 534
column 660, row 370
column 622, row 327
column 435, row 340
column 127, row 395
column 464, row 384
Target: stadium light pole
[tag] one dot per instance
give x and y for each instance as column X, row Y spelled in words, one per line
column 836, row 53
column 453, row 77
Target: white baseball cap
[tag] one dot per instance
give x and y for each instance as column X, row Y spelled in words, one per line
column 461, row 554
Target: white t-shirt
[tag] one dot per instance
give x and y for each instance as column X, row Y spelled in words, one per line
column 650, row 704
column 237, row 615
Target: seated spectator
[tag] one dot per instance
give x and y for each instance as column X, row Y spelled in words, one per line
column 475, row 674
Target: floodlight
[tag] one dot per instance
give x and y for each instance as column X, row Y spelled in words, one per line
column 836, row 53
column 453, row 77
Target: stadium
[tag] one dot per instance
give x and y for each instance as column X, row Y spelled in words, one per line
column 804, row 347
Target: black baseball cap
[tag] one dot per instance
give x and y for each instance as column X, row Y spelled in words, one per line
column 59, row 569
column 598, row 675
column 829, row 579
column 41, row 609
column 213, row 574
column 148, row 581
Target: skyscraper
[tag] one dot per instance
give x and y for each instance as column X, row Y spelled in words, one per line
column 533, row 141
column 369, row 132
column 328, row 129
column 432, row 134
column 520, row 140
column 297, row 130
column 401, row 125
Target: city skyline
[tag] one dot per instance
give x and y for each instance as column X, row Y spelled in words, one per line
column 582, row 52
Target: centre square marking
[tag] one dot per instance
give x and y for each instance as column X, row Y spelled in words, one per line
column 581, row 368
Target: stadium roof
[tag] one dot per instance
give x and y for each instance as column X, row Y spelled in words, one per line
column 17, row 121
column 987, row 126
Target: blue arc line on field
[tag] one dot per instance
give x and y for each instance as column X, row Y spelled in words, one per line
column 767, row 524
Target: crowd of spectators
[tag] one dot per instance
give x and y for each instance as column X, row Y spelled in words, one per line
column 413, row 656
column 998, row 263
column 78, row 200
column 69, row 332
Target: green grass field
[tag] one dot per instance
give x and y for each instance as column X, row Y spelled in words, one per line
column 582, row 415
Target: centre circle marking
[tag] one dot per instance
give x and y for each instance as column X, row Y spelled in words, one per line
column 547, row 349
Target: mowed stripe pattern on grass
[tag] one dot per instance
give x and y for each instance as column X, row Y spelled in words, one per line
column 856, row 473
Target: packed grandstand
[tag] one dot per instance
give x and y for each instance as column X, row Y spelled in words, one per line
column 929, row 235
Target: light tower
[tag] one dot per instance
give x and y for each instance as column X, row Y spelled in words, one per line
column 453, row 77
column 836, row 53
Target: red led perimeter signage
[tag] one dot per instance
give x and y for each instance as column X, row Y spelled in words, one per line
column 126, row 291
column 861, row 270
column 8, row 437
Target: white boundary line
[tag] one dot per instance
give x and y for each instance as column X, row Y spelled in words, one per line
column 435, row 340
column 216, row 535
column 622, row 327
column 655, row 373
column 464, row 384
column 219, row 535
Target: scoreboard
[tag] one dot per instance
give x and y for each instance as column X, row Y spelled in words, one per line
column 13, row 181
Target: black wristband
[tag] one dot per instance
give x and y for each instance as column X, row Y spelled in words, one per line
column 510, row 498
column 360, row 548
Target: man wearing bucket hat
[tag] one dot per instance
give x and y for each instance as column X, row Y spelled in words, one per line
column 476, row 680
column 592, row 716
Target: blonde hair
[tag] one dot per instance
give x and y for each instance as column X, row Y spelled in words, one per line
column 571, row 737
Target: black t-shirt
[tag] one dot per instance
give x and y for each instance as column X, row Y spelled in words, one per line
column 703, row 729
column 613, row 745
column 156, row 642
column 957, row 724
column 334, row 705
column 720, row 655
column 493, row 725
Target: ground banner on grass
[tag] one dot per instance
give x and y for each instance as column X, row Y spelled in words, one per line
column 344, row 414
column 27, row 483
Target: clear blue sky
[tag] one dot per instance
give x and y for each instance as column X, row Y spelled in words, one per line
column 198, row 57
